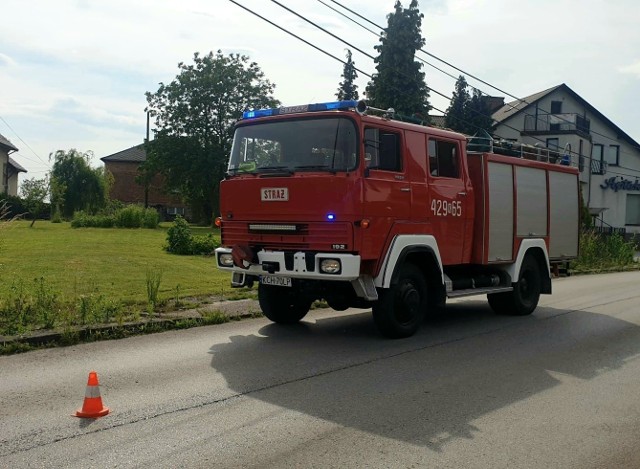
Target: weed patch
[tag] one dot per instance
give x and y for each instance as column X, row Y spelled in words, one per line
column 603, row 252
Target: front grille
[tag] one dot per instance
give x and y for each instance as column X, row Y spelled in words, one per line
column 315, row 236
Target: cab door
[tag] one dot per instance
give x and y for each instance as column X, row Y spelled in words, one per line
column 386, row 187
column 450, row 203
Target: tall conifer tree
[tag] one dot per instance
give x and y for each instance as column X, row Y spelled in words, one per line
column 399, row 82
column 456, row 115
column 348, row 90
column 479, row 115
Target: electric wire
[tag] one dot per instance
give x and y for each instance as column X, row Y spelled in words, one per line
column 590, row 158
column 585, row 157
column 520, row 100
column 373, row 58
column 25, row 143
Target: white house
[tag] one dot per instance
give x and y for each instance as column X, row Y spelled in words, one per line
column 608, row 158
column 10, row 168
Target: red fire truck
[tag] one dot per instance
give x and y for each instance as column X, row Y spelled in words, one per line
column 345, row 203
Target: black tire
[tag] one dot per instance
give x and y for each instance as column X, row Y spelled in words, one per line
column 400, row 309
column 524, row 298
column 282, row 305
column 338, row 304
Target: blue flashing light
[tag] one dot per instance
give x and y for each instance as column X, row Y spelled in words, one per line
column 330, row 106
column 331, row 216
column 258, row 113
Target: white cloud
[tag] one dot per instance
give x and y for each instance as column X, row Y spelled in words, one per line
column 75, row 73
column 633, row 69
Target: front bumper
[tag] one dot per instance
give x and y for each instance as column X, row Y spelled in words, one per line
column 300, row 265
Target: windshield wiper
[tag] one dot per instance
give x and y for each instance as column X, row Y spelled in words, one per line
column 275, row 170
column 314, row 167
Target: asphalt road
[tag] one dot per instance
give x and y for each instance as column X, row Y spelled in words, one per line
column 558, row 389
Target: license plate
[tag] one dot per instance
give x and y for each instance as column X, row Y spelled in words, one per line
column 277, row 281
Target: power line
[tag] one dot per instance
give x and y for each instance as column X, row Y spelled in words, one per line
column 338, row 59
column 364, row 53
column 20, row 138
column 511, row 105
column 331, row 55
column 589, row 158
column 520, row 100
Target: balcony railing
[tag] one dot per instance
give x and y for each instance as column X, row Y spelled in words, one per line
column 557, row 123
column 599, row 167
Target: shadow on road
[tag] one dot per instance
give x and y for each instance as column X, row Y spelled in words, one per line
column 430, row 388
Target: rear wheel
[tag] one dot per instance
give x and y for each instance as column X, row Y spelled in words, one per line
column 282, row 305
column 401, row 308
column 524, row 298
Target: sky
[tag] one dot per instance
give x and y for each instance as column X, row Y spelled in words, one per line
column 73, row 73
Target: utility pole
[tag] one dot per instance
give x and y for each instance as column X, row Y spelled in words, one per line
column 147, row 179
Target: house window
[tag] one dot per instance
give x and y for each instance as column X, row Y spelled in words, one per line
column 613, row 155
column 382, row 150
column 597, row 154
column 556, row 107
column 443, row 159
column 633, row 209
column 553, row 143
column 175, row 211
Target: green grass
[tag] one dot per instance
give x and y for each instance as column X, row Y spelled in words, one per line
column 109, row 261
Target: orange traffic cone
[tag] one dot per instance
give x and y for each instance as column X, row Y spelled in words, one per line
column 92, row 407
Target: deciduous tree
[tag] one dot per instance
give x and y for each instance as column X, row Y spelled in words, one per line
column 34, row 193
column 76, row 185
column 194, row 117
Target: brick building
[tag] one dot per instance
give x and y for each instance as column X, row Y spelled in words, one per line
column 124, row 166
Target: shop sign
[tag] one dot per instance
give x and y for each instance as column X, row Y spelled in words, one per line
column 620, row 184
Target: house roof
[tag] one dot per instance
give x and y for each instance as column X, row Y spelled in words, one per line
column 136, row 154
column 16, row 165
column 4, row 142
column 514, row 107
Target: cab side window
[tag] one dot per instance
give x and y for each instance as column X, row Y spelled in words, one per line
column 382, row 150
column 444, row 160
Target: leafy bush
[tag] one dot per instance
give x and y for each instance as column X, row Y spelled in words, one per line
column 12, row 206
column 80, row 219
column 179, row 237
column 150, row 218
column 181, row 241
column 56, row 217
column 204, row 244
column 130, row 216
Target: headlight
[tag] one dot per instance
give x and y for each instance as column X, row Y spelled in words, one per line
column 225, row 260
column 330, row 266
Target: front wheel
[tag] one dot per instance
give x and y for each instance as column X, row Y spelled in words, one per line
column 282, row 305
column 401, row 308
column 525, row 295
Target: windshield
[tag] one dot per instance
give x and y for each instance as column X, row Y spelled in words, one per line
column 323, row 144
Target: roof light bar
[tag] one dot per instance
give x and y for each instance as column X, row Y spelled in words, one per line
column 330, row 106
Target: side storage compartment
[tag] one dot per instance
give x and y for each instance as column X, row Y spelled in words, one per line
column 493, row 228
column 564, row 215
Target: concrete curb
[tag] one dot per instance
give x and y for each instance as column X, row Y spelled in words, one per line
column 231, row 309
